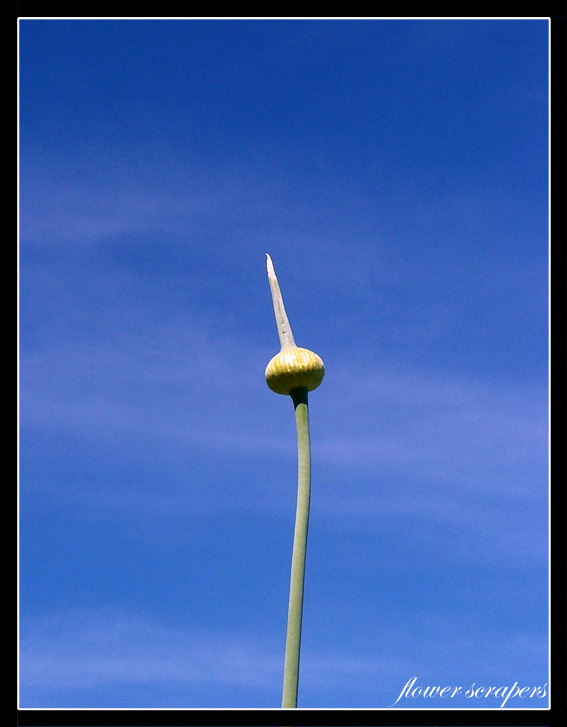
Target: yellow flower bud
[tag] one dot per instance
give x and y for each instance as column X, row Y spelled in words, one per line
column 294, row 367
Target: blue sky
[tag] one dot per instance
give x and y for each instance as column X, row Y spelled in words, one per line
column 396, row 172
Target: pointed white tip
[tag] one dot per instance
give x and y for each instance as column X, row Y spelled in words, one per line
column 270, row 266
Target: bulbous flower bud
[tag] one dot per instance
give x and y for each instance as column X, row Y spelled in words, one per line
column 294, row 367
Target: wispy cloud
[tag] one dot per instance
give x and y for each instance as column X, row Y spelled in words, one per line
column 80, row 651
column 174, row 380
column 445, row 426
column 84, row 649
column 405, row 446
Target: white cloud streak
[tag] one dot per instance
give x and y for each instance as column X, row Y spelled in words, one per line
column 82, row 650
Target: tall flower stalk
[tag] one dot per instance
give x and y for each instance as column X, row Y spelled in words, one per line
column 294, row 371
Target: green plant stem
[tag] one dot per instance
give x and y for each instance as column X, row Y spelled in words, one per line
column 295, row 612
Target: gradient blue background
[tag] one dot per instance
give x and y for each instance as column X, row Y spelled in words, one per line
column 396, row 172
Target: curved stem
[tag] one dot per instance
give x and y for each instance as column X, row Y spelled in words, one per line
column 295, row 612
